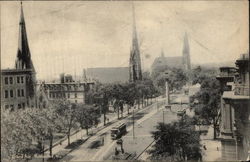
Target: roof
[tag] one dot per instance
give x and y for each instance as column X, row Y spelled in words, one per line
column 15, row 71
column 108, row 74
column 231, row 95
column 167, row 61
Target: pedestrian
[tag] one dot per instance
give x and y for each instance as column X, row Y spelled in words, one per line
column 116, row 151
column 102, row 140
column 122, row 151
column 205, row 148
column 217, row 148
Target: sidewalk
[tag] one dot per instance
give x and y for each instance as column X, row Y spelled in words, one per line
column 212, row 150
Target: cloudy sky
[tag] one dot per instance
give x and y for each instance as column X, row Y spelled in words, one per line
column 69, row 36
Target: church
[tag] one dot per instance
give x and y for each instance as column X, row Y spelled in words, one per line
column 18, row 85
column 182, row 62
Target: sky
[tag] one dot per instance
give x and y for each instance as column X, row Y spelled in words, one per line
column 70, row 36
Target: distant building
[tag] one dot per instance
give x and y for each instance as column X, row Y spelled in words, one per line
column 235, row 111
column 67, row 88
column 135, row 72
column 163, row 62
column 186, row 54
column 183, row 61
column 18, row 85
column 108, row 74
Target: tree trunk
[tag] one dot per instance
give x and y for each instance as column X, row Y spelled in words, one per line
column 138, row 103
column 118, row 111
column 214, row 128
column 104, row 118
column 68, row 135
column 51, row 144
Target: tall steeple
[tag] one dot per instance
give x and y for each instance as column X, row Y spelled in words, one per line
column 23, row 60
column 162, row 53
column 135, row 72
column 186, row 53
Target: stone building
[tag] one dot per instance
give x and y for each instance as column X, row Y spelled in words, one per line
column 235, row 111
column 18, row 85
column 162, row 62
column 67, row 88
column 135, row 72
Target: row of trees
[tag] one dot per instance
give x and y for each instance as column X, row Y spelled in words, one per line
column 206, row 102
column 25, row 132
column 121, row 94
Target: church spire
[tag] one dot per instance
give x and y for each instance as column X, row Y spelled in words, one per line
column 23, row 60
column 162, row 53
column 135, row 72
column 186, row 53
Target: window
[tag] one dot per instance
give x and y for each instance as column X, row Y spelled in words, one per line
column 75, row 101
column 22, row 81
column 11, row 93
column 22, row 92
column 6, row 106
column 75, row 95
column 6, row 93
column 18, row 93
column 19, row 106
column 18, row 79
column 68, row 95
column 23, row 105
column 11, row 80
column 6, row 80
column 11, row 107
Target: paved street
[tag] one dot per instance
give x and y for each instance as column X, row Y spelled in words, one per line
column 145, row 122
column 93, row 150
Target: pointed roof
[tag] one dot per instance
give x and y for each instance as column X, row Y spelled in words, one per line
column 162, row 53
column 186, row 44
column 135, row 44
column 23, row 60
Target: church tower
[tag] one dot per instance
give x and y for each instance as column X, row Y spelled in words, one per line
column 185, row 54
column 23, row 60
column 135, row 72
column 24, row 63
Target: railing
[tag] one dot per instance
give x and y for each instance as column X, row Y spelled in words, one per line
column 241, row 90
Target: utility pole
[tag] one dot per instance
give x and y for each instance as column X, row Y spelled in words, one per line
column 133, row 125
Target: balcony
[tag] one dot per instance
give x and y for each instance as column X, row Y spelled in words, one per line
column 242, row 90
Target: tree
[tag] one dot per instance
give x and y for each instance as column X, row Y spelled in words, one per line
column 176, row 141
column 87, row 116
column 208, row 101
column 176, row 78
column 14, row 137
column 67, row 112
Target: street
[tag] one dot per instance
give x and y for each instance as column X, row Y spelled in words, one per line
column 145, row 121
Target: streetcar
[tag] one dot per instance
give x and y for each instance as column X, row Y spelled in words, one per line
column 118, row 131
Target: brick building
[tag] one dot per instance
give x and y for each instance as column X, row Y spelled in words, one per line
column 67, row 88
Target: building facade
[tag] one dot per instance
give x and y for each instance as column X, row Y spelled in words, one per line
column 235, row 111
column 18, row 85
column 135, row 71
column 67, row 88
